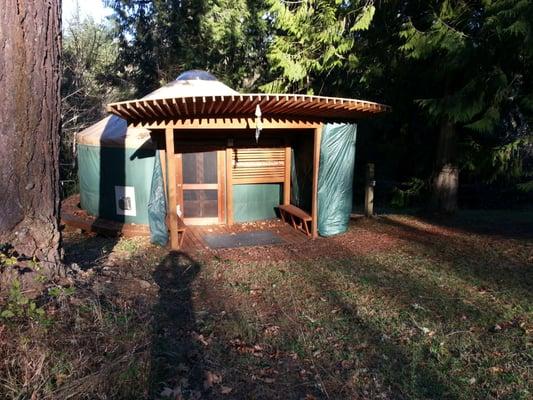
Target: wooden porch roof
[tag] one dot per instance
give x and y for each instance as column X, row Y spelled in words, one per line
column 293, row 106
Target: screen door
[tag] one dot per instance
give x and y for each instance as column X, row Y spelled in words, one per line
column 200, row 188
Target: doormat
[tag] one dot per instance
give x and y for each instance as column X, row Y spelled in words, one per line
column 243, row 239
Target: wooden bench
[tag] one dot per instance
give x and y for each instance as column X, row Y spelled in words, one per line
column 297, row 217
column 181, row 230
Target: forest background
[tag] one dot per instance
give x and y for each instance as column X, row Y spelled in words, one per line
column 458, row 75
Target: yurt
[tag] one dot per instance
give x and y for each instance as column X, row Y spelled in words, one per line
column 196, row 152
column 116, row 162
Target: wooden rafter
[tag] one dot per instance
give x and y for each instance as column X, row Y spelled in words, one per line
column 243, row 105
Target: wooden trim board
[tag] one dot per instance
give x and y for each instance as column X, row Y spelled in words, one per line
column 316, row 163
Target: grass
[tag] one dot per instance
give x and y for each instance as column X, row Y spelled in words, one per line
column 398, row 308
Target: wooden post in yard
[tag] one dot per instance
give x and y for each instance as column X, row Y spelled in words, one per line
column 172, row 189
column 316, row 163
column 369, row 190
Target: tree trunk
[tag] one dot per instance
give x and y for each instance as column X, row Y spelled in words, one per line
column 30, row 38
column 446, row 177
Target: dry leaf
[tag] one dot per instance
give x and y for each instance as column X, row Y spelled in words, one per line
column 346, row 364
column 225, row 390
column 200, row 338
column 171, row 393
column 211, row 378
column 495, row 370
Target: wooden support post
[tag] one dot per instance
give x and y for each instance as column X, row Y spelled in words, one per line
column 369, row 190
column 287, row 179
column 221, row 166
column 229, row 186
column 179, row 184
column 172, row 217
column 316, row 163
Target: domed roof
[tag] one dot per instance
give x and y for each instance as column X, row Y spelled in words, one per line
column 114, row 131
column 192, row 83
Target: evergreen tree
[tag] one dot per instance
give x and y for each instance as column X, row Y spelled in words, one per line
column 88, row 84
column 161, row 38
column 460, row 69
column 314, row 40
column 476, row 57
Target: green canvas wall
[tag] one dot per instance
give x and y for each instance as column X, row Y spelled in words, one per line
column 254, row 202
column 120, row 167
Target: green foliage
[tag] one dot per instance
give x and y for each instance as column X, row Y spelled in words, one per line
column 7, row 257
column 60, row 291
column 314, row 38
column 364, row 19
column 161, row 38
column 89, row 82
column 465, row 62
column 412, row 192
column 20, row 306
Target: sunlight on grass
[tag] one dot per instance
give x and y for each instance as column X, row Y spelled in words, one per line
column 436, row 313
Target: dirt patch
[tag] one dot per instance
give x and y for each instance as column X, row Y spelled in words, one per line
column 360, row 239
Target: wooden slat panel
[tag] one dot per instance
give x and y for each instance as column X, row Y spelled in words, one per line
column 243, row 105
column 258, row 165
column 259, row 179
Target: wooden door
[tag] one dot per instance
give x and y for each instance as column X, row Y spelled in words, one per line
column 201, row 188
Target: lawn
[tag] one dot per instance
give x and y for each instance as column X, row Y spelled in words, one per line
column 400, row 307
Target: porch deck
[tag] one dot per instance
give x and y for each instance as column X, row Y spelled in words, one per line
column 74, row 217
column 194, row 236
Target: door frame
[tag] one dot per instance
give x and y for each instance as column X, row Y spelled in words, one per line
column 220, row 186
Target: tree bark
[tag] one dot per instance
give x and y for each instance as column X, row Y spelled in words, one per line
column 446, row 177
column 30, row 40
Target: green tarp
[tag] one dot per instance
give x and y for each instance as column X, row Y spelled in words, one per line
column 335, row 178
column 157, row 206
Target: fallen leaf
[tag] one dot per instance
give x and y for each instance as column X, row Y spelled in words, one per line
column 200, row 338
column 211, row 378
column 346, row 364
column 175, row 394
column 495, row 370
column 225, row 390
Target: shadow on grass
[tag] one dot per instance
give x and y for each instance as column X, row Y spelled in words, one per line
column 176, row 361
column 388, row 361
column 87, row 251
column 474, row 261
column 510, row 224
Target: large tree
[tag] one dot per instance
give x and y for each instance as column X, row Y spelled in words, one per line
column 30, row 38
